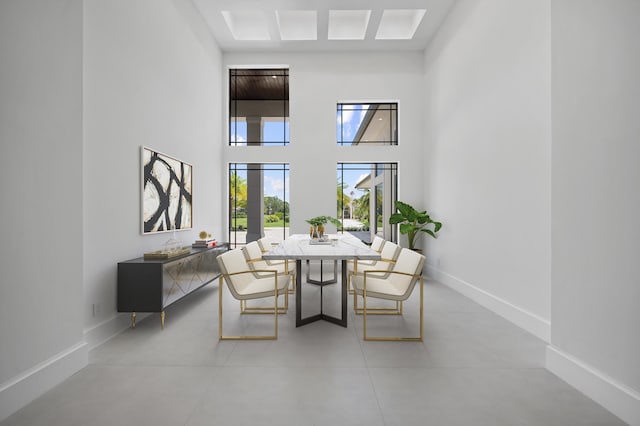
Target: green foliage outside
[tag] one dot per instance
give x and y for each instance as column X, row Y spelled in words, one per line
column 275, row 210
column 240, row 223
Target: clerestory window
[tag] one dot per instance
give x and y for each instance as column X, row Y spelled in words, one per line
column 367, row 124
column 258, row 107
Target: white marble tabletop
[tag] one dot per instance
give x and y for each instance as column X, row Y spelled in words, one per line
column 343, row 246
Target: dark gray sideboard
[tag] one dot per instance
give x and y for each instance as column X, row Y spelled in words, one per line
column 153, row 285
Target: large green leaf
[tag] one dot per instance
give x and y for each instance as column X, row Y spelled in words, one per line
column 407, row 211
column 423, row 218
column 411, row 221
column 429, row 231
column 405, row 228
column 396, row 218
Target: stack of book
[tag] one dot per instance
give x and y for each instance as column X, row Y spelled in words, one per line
column 208, row 243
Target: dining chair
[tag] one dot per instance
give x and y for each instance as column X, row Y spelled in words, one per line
column 253, row 256
column 244, row 284
column 376, row 245
column 266, row 244
column 396, row 285
column 388, row 256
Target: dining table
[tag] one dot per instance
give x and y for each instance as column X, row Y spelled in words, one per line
column 342, row 247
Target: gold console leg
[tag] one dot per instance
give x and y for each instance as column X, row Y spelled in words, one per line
column 133, row 320
column 162, row 319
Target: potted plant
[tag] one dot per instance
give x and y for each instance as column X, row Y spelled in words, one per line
column 412, row 223
column 317, row 225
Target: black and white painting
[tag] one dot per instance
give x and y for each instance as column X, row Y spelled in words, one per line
column 166, row 193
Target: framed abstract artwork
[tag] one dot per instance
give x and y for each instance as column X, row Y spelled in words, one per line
column 166, row 193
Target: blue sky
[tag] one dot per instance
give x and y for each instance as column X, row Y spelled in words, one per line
column 352, row 174
column 348, row 121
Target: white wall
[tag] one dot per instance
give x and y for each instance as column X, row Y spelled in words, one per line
column 317, row 83
column 595, row 341
column 488, row 127
column 151, row 77
column 41, row 190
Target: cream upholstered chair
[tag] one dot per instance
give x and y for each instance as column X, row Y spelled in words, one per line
column 376, row 245
column 388, row 256
column 253, row 254
column 246, row 284
column 265, row 244
column 396, row 285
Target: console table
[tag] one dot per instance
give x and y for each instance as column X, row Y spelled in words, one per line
column 153, row 285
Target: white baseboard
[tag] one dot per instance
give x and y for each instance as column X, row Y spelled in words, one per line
column 29, row 385
column 24, row 388
column 100, row 333
column 533, row 323
column 621, row 400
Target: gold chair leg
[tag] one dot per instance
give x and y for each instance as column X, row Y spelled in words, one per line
column 292, row 287
column 350, row 290
column 377, row 311
column 246, row 310
column 275, row 312
column 393, row 339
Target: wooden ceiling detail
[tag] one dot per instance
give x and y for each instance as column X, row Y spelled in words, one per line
column 259, row 84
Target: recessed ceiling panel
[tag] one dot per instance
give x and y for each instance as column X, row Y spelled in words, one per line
column 348, row 24
column 247, row 24
column 399, row 24
column 287, row 25
column 298, row 24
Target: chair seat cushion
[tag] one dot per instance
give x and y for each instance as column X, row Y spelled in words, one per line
column 376, row 266
column 379, row 288
column 361, row 263
column 262, row 264
column 262, row 287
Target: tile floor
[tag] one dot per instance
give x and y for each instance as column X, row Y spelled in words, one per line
column 474, row 368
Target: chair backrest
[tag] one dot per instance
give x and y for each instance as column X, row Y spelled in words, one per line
column 231, row 262
column 390, row 251
column 409, row 262
column 253, row 251
column 377, row 244
column 265, row 243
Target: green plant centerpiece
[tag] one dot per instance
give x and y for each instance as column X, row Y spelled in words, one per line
column 317, row 225
column 413, row 223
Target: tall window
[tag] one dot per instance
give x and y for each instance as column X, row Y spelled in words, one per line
column 258, row 107
column 362, row 123
column 367, row 193
column 258, row 202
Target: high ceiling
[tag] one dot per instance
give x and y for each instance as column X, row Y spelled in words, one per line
column 323, row 25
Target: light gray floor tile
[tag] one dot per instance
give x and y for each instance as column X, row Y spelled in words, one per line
column 289, row 396
column 110, row 395
column 473, row 368
column 482, row 396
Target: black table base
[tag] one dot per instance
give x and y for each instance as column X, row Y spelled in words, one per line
column 322, row 281
column 321, row 316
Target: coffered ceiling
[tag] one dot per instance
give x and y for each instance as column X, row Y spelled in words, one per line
column 323, row 25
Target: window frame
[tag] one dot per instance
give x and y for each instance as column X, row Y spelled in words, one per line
column 392, row 106
column 232, row 106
